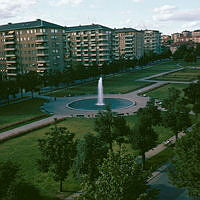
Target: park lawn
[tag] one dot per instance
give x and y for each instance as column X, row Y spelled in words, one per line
column 120, row 83
column 183, row 75
column 24, row 150
column 20, row 111
column 162, row 92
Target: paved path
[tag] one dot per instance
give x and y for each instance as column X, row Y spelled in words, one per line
column 29, row 127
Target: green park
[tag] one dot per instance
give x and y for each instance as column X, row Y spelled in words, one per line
column 26, row 150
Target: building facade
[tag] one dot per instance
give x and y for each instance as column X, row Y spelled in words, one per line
column 90, row 44
column 152, row 41
column 31, row 46
column 129, row 43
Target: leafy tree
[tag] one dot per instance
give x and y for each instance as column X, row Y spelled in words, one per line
column 90, row 153
column 151, row 112
column 20, row 80
column 111, row 128
column 32, row 81
column 176, row 117
column 186, row 163
column 120, row 179
column 192, row 96
column 143, row 137
column 4, row 90
column 58, row 151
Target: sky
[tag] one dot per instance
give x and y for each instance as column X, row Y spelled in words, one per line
column 167, row 16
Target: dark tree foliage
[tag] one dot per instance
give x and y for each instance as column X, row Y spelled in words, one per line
column 143, row 137
column 120, row 179
column 185, row 171
column 32, row 81
column 13, row 186
column 176, row 117
column 90, row 153
column 111, row 128
column 58, row 152
column 192, row 96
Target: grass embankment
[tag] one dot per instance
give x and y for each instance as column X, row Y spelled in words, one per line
column 161, row 158
column 183, row 75
column 24, row 150
column 120, row 83
column 20, row 112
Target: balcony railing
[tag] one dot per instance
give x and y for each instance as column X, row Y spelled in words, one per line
column 11, row 61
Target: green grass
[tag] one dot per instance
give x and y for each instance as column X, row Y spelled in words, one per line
column 183, row 75
column 162, row 92
column 24, row 150
column 121, row 83
column 20, row 111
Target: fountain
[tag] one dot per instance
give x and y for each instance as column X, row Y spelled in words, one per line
column 100, row 103
column 100, row 93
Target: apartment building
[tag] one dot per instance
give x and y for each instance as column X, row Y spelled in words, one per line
column 35, row 45
column 90, row 44
column 152, row 41
column 129, row 43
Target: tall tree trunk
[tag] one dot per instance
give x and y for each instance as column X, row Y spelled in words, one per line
column 176, row 136
column 143, row 160
column 110, row 144
column 21, row 90
column 60, row 185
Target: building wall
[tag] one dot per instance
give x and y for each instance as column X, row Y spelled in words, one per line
column 39, row 49
column 152, row 41
column 92, row 46
column 129, row 44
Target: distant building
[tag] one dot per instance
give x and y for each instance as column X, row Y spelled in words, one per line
column 129, row 43
column 152, row 41
column 175, row 36
column 90, row 44
column 35, row 45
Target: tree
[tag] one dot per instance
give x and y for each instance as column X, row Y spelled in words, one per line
column 90, row 153
column 192, row 96
column 151, row 112
column 20, row 80
column 186, row 163
column 13, row 185
column 120, row 179
column 176, row 117
column 111, row 128
column 32, row 81
column 143, row 137
column 58, row 151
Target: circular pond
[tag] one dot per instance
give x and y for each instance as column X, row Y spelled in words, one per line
column 90, row 104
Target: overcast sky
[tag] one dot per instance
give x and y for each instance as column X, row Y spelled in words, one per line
column 167, row 16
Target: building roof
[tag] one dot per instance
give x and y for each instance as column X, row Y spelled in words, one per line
column 123, row 30
column 26, row 25
column 87, row 27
